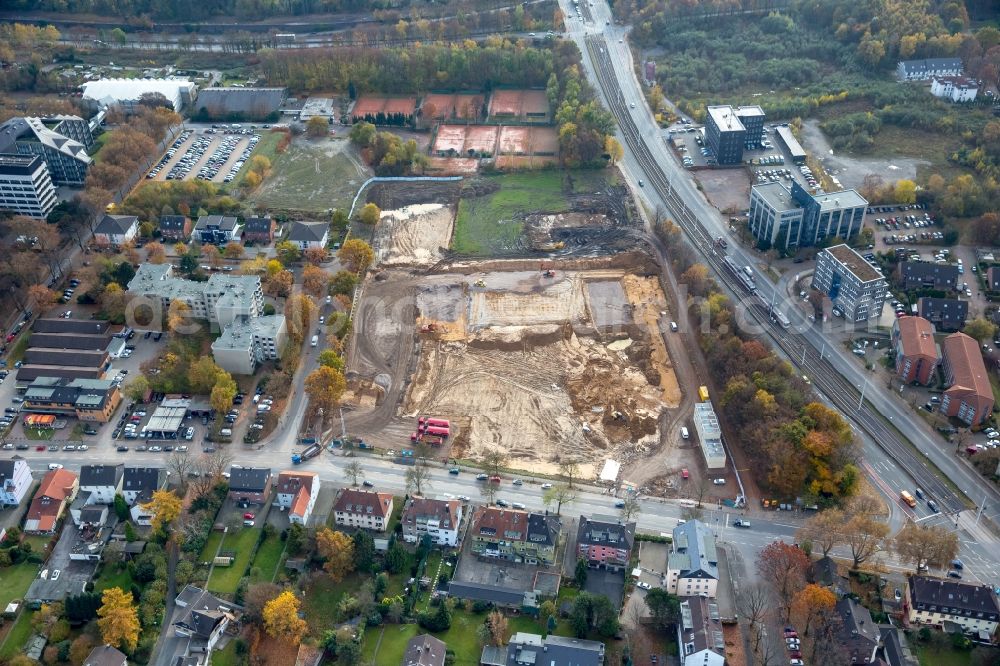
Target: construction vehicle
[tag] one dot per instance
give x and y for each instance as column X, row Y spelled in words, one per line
column 550, row 246
column 480, row 282
column 429, row 328
column 549, row 273
column 306, row 454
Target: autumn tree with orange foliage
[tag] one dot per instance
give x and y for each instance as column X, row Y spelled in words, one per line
column 810, row 604
column 783, row 566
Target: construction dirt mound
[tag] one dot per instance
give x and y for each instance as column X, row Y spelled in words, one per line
column 415, row 235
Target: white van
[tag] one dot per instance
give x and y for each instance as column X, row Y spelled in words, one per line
column 314, row 341
column 55, row 466
column 684, row 432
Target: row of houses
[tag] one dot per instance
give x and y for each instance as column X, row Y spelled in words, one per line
column 118, row 230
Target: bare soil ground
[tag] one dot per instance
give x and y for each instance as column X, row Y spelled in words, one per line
column 416, row 235
column 726, row 189
column 518, row 364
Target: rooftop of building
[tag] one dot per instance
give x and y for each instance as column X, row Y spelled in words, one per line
column 947, row 593
column 367, row 502
column 239, row 335
column 701, row 626
column 725, row 118
column 445, row 511
column 777, row 196
column 840, row 200
column 961, row 353
column 11, row 164
column 34, row 129
column 694, row 549
column 130, row 89
column 854, row 262
column 916, row 335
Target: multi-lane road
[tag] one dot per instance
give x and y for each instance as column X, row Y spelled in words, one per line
column 904, row 449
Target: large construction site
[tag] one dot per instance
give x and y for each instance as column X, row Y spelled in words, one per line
column 558, row 354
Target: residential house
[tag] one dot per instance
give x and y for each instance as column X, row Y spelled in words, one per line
column 895, row 650
column 933, row 601
column 853, row 285
column 917, row 354
column 924, row 275
column 15, row 481
column 699, row 633
column 926, row 69
column 57, row 490
column 955, row 88
column 367, row 509
column 175, row 228
column 424, row 650
column 101, row 482
column 693, row 563
column 993, row 278
column 858, row 636
column 217, row 229
column 297, row 493
column 947, row 314
column 205, row 619
column 138, row 486
column 969, row 395
column 514, row 534
column 259, row 229
column 105, row 655
column 605, row 543
column 526, row 649
column 116, row 230
column 440, row 519
column 309, row 234
column 249, row 485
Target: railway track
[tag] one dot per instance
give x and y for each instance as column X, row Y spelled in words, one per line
column 842, row 393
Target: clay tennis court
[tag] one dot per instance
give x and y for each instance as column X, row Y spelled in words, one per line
column 446, row 107
column 371, row 105
column 451, row 166
column 466, row 140
column 529, row 141
column 531, row 104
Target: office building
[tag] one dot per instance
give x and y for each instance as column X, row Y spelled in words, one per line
column 87, row 399
column 725, row 134
column 856, row 290
column 954, row 88
column 928, row 68
column 752, row 118
column 934, row 601
column 25, row 186
column 785, row 218
column 65, row 157
column 693, row 562
column 917, row 354
column 249, row 341
column 126, row 93
column 969, row 396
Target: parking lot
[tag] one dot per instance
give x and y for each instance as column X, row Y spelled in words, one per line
column 215, row 154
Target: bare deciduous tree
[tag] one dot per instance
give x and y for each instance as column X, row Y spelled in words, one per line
column 353, row 471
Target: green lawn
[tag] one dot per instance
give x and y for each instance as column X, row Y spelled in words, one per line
column 99, row 142
column 492, row 223
column 319, row 603
column 265, row 563
column 227, row 656
column 211, row 546
column 15, row 581
column 39, row 434
column 112, row 577
column 947, row 657
column 313, row 175
column 37, row 541
column 17, row 636
column 225, row 580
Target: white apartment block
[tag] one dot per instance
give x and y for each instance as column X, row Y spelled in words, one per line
column 851, row 283
column 248, row 341
column 220, row 300
column 364, row 509
column 438, row 518
column 954, row 88
column 693, row 563
column 26, row 186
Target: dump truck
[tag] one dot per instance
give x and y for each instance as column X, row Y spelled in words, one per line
column 306, row 454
